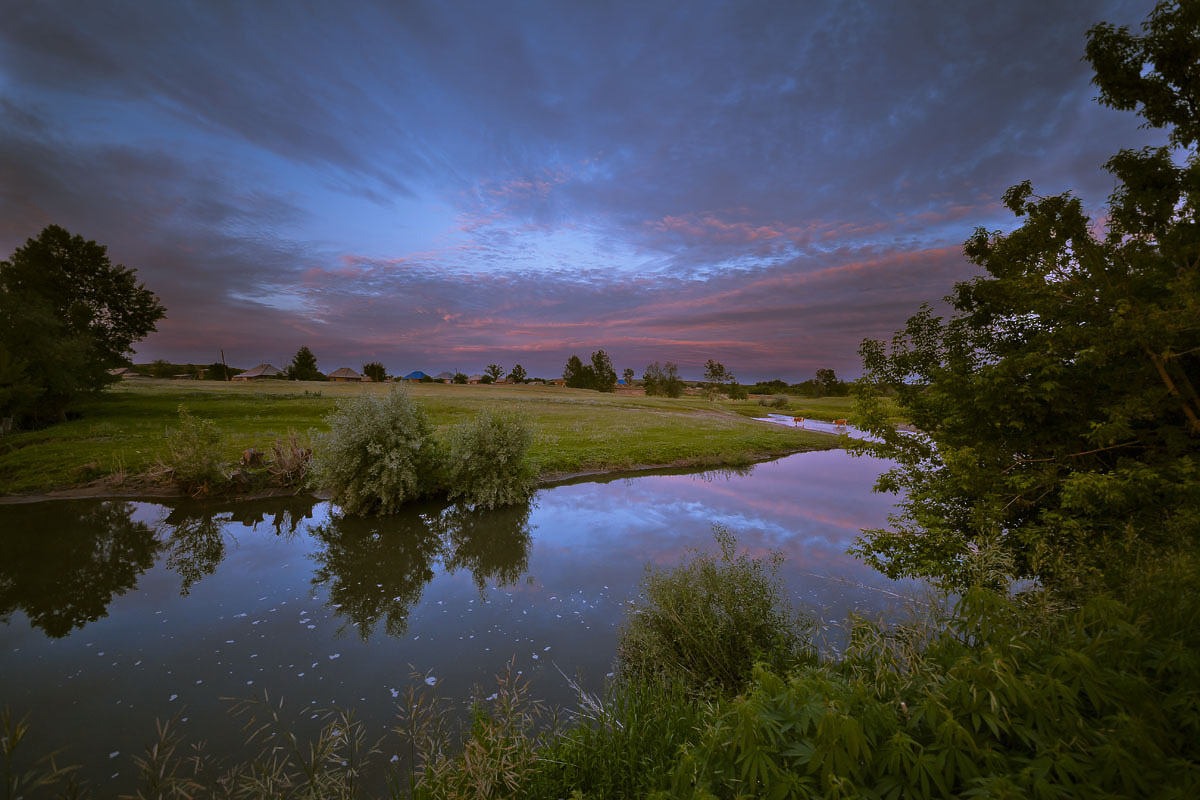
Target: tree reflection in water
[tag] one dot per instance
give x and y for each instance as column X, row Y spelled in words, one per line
column 376, row 568
column 63, row 563
column 195, row 533
column 494, row 545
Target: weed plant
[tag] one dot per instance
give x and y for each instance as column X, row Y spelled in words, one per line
column 380, row 453
column 193, row 458
column 706, row 622
column 486, row 462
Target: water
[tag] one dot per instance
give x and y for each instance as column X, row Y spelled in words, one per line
column 117, row 613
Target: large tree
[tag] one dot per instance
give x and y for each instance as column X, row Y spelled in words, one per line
column 662, row 380
column 69, row 316
column 518, row 374
column 1059, row 404
column 494, row 371
column 604, row 377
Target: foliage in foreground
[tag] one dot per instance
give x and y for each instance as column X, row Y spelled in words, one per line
column 1060, row 404
column 705, row 623
column 379, row 454
column 486, row 465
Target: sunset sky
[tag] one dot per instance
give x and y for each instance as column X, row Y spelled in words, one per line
column 443, row 185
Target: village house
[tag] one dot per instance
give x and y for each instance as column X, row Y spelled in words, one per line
column 261, row 372
column 444, row 377
column 345, row 375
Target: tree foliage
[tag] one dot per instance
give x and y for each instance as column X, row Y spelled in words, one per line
column 604, row 377
column 494, row 371
column 375, row 371
column 518, row 374
column 662, row 380
column 304, row 366
column 67, row 315
column 1059, row 403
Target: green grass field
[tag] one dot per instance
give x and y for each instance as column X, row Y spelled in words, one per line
column 123, row 430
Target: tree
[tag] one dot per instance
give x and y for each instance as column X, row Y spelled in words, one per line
column 518, row 374
column 827, row 383
column 662, row 380
column 1059, row 404
column 161, row 368
column 459, row 378
column 576, row 375
column 604, row 377
column 217, row 371
column 304, row 366
column 71, row 316
column 628, row 374
column 494, row 371
column 716, row 376
column 375, row 371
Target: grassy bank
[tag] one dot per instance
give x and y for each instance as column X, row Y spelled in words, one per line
column 122, row 432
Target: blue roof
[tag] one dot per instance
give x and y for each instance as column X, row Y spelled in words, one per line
column 415, row 376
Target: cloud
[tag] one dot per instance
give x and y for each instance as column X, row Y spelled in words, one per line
column 417, row 182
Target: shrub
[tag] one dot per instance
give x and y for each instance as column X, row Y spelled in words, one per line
column 706, row 622
column 486, row 464
column 194, row 454
column 379, row 453
column 737, row 391
column 778, row 401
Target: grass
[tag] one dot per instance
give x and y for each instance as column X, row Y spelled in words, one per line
column 123, row 431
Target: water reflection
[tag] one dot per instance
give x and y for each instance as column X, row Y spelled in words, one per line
column 85, row 554
column 493, row 545
column 374, row 569
column 194, row 533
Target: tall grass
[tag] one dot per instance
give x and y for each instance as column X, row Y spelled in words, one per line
column 706, row 622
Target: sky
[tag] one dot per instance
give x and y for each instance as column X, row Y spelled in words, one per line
column 443, row 185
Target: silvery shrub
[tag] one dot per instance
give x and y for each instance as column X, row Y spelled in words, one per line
column 379, row 454
column 486, row 465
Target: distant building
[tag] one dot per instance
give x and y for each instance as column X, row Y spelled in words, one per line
column 345, row 375
column 474, row 379
column 261, row 372
column 444, row 377
column 415, row 376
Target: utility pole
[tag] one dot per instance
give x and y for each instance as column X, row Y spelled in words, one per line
column 224, row 365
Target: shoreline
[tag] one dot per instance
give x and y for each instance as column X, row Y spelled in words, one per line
column 103, row 489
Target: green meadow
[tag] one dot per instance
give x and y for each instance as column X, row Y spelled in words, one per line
column 120, row 434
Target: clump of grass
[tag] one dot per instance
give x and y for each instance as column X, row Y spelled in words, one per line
column 379, row 453
column 193, row 458
column 499, row 754
column 707, row 621
column 486, row 465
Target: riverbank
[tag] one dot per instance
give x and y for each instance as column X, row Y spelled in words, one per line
column 120, row 436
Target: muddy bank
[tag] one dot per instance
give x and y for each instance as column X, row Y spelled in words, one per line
column 134, row 489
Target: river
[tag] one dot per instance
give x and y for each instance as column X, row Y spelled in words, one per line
column 117, row 613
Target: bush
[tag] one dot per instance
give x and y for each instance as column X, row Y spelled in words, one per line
column 379, row 454
column 706, row 622
column 486, row 464
column 194, row 454
column 778, row 401
column 737, row 392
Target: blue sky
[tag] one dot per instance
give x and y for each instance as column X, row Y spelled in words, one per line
column 445, row 185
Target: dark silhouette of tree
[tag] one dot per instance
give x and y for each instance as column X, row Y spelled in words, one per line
column 71, row 316
column 1059, row 403
column 604, row 377
column 518, row 374
column 576, row 375
column 304, row 366
column 375, row 371
column 662, row 380
column 494, row 371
